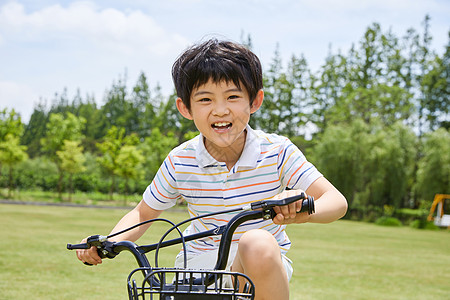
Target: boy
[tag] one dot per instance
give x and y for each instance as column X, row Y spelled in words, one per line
column 219, row 85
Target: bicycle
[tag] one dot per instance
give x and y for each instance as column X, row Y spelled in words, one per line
column 190, row 284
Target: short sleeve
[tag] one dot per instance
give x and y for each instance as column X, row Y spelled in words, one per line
column 295, row 171
column 162, row 193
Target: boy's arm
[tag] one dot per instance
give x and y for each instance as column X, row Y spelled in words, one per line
column 330, row 205
column 140, row 213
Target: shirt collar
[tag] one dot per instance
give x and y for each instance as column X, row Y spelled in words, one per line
column 248, row 158
column 252, row 149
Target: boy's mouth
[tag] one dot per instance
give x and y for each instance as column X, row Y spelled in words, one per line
column 221, row 125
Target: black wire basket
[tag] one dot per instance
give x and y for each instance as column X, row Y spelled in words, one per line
column 185, row 284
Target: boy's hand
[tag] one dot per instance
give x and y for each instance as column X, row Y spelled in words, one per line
column 287, row 214
column 89, row 256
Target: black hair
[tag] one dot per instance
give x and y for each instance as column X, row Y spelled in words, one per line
column 217, row 61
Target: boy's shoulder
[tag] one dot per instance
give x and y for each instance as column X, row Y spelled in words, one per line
column 270, row 139
column 186, row 148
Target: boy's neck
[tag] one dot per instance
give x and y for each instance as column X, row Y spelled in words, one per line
column 228, row 155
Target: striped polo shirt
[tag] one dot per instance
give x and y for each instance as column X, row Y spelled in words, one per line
column 268, row 164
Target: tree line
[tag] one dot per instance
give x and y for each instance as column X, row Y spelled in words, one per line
column 374, row 120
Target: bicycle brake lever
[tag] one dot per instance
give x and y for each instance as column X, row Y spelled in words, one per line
column 104, row 247
column 107, row 250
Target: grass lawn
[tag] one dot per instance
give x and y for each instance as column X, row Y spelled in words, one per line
column 342, row 260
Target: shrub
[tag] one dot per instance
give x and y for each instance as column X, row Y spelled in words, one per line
column 388, row 221
column 408, row 215
column 423, row 224
column 36, row 173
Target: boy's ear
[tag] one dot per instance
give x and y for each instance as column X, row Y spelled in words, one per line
column 257, row 102
column 184, row 111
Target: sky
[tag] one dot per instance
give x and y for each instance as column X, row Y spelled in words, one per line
column 47, row 46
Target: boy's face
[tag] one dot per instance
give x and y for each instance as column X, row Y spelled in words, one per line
column 221, row 111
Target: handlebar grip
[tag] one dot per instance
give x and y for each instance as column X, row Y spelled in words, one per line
column 307, row 206
column 77, row 246
column 266, row 204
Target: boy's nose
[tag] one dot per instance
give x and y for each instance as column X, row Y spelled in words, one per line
column 220, row 108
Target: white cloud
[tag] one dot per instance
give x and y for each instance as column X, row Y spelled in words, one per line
column 19, row 97
column 128, row 31
column 338, row 7
column 79, row 46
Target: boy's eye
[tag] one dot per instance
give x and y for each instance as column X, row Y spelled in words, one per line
column 233, row 97
column 204, row 100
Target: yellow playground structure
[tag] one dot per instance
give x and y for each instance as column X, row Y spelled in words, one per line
column 441, row 219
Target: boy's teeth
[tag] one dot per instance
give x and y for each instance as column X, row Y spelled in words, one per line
column 222, row 124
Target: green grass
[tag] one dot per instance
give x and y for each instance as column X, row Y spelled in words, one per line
column 342, row 260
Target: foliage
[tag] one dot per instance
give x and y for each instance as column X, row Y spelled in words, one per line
column 156, row 147
column 129, row 163
column 285, row 97
column 112, row 154
column 373, row 119
column 388, row 221
column 11, row 153
column 72, row 160
column 37, row 173
column 433, row 174
column 370, row 164
column 423, row 224
column 10, row 123
column 61, row 128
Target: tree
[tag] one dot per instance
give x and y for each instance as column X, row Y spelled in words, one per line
column 117, row 109
column 129, row 162
column 11, row 153
column 372, row 91
column 327, row 89
column 436, row 90
column 95, row 120
column 424, row 58
column 155, row 148
column 10, row 123
column 170, row 120
column 60, row 129
column 300, row 82
column 286, row 93
column 433, row 174
column 114, row 140
column 371, row 164
column 72, row 160
column 268, row 116
column 143, row 108
column 35, row 130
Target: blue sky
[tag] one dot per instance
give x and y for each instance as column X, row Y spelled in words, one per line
column 47, row 45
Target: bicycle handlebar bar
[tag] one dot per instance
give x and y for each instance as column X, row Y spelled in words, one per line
column 260, row 209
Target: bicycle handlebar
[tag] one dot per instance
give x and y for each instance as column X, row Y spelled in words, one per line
column 260, row 209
